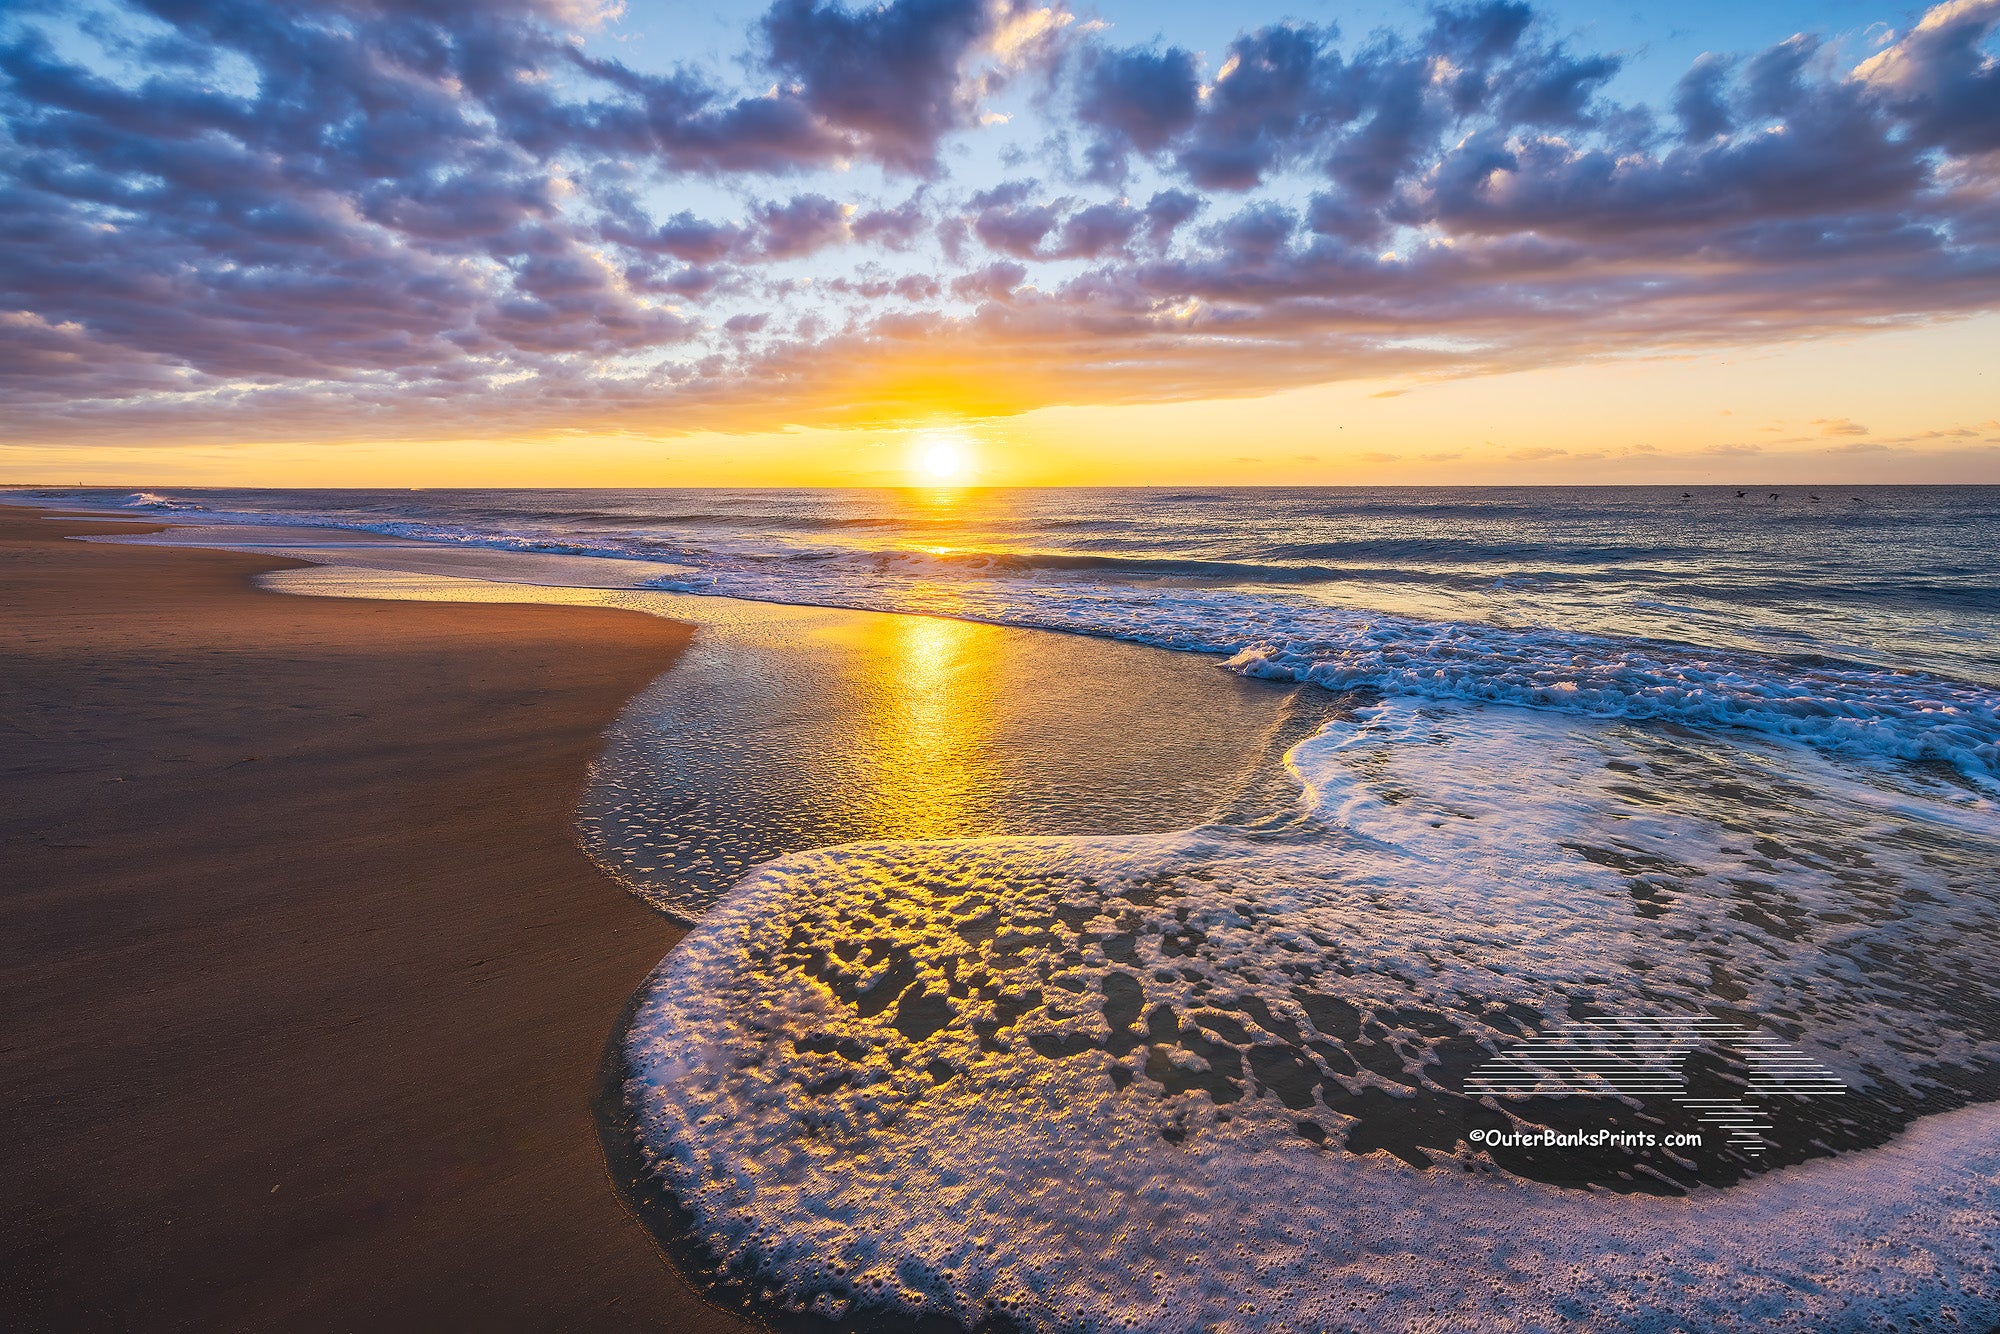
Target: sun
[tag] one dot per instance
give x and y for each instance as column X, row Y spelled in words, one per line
column 943, row 460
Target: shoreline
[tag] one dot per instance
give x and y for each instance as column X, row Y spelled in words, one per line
column 298, row 1034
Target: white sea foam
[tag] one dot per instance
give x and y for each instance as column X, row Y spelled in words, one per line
column 1214, row 1080
column 152, row 500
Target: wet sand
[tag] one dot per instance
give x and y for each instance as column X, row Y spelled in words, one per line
column 304, row 983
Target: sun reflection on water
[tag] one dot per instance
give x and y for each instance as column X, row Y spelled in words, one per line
column 929, row 722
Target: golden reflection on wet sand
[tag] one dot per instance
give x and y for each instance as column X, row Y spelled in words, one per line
column 928, row 725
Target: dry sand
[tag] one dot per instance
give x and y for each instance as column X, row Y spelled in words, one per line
column 304, row 983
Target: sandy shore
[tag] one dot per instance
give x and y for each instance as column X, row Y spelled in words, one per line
column 303, row 982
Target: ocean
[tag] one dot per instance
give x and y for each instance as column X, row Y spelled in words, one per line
column 1898, row 577
column 1684, row 801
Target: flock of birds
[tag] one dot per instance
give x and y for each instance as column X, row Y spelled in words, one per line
column 1811, row 496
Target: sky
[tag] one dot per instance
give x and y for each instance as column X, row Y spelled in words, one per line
column 574, row 242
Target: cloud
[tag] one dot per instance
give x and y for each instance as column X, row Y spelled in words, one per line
column 1008, row 224
column 1099, row 230
column 895, row 75
column 995, row 282
column 1269, row 101
column 802, row 225
column 774, row 230
column 1943, row 85
column 896, row 227
column 1256, row 235
column 1701, row 99
column 392, row 215
column 1166, row 211
column 687, row 237
column 1137, row 99
column 1839, row 426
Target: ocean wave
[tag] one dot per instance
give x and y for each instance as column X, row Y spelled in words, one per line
column 1279, row 566
column 1117, row 566
column 152, row 500
column 1851, row 710
column 1456, row 550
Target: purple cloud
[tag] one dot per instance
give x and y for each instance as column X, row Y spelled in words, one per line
column 995, row 282
column 895, row 227
column 799, row 227
column 891, row 75
column 1166, row 211
column 1939, row 79
column 1137, row 99
column 1015, row 228
column 1099, row 230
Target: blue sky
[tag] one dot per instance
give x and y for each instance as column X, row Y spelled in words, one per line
column 1659, row 41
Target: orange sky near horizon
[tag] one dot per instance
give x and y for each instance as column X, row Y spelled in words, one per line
column 1916, row 404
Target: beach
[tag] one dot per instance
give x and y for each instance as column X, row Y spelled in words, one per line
column 304, row 983
column 1019, row 966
